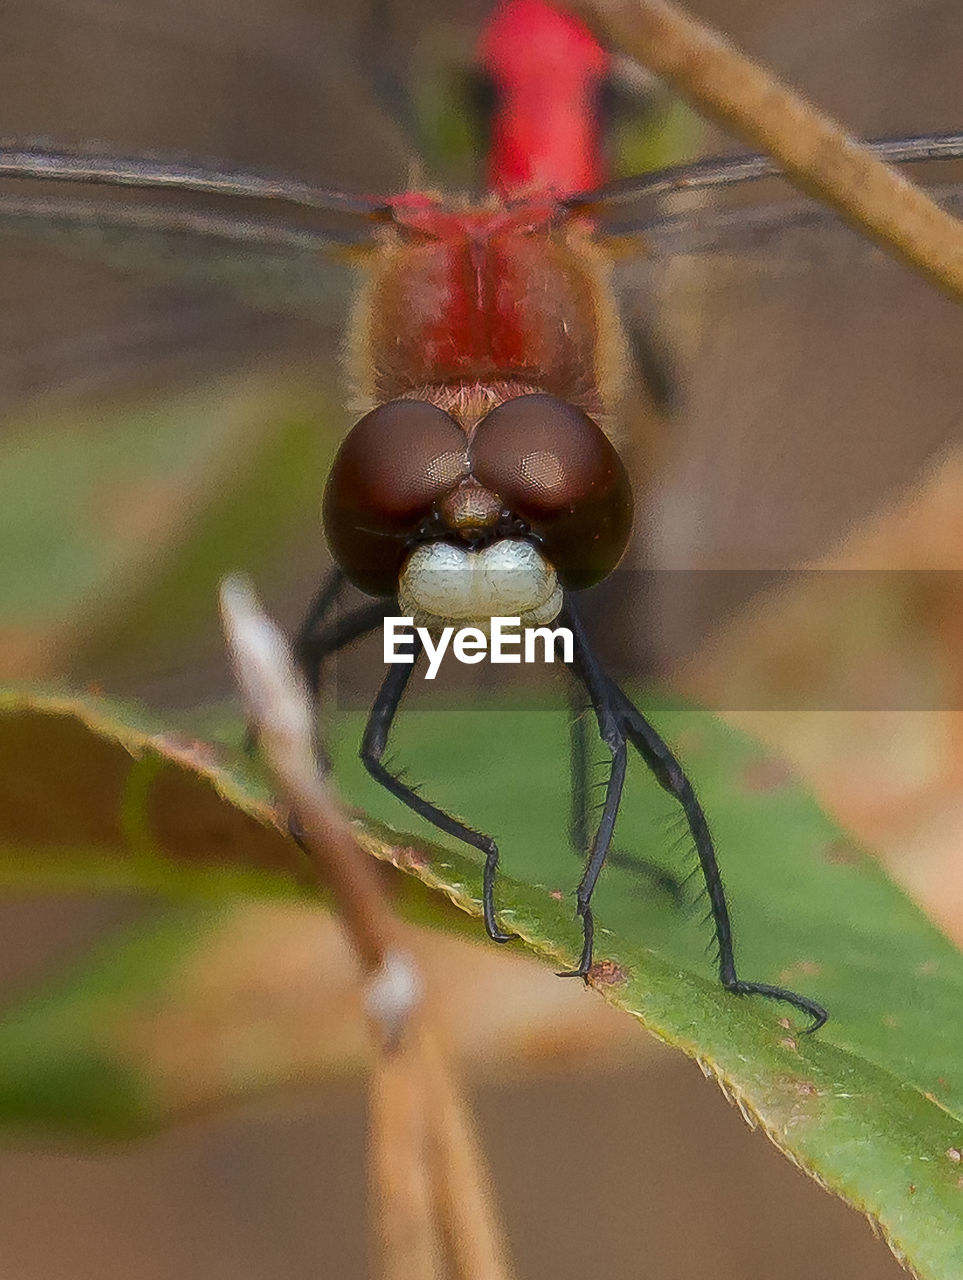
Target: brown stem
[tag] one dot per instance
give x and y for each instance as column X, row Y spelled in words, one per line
column 351, row 876
column 402, row 1192
column 461, row 1180
column 281, row 714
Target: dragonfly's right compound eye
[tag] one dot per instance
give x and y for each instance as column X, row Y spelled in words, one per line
column 554, row 467
column 391, row 469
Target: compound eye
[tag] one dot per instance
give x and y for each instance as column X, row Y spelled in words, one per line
column 556, row 469
column 390, row 470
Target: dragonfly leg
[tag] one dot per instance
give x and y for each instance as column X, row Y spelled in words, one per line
column 670, row 775
column 305, row 642
column 579, row 772
column 311, row 654
column 643, row 868
column 593, row 678
column 612, row 704
column 311, row 649
column 373, row 747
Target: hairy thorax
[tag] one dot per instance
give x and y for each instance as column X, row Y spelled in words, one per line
column 465, row 305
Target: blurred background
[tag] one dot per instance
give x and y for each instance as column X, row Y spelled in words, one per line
column 168, row 417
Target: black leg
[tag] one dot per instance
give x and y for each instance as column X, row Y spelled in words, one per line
column 591, row 675
column 579, row 773
column 318, row 647
column 373, row 747
column 619, row 720
column 321, row 606
column 311, row 649
column 644, row 869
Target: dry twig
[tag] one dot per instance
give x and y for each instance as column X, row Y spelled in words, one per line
column 428, row 1177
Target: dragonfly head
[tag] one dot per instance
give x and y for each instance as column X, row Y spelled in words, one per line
column 462, row 526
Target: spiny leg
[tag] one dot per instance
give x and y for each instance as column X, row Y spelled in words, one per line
column 373, row 747
column 579, row 773
column 619, row 720
column 310, row 649
column 312, row 645
column 313, row 649
column 644, row 869
column 671, row 776
column 591, row 675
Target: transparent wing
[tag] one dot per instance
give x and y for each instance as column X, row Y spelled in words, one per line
column 174, row 248
column 742, row 204
column 731, row 171
column 261, row 238
column 764, row 229
column 273, row 260
column 146, row 173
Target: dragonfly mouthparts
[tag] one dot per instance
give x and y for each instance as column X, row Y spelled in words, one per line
column 444, row 584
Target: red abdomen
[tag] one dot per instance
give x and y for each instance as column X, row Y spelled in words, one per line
column 547, row 70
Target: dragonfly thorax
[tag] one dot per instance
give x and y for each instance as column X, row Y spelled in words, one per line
column 486, row 294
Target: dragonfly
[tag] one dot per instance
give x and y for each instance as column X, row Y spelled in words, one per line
column 490, row 360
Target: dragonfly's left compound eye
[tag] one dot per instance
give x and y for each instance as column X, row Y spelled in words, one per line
column 391, row 469
column 556, row 469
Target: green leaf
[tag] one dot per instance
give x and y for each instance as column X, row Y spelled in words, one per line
column 870, row 1105
column 99, row 794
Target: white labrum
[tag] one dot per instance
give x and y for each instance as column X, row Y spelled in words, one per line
column 443, row 584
